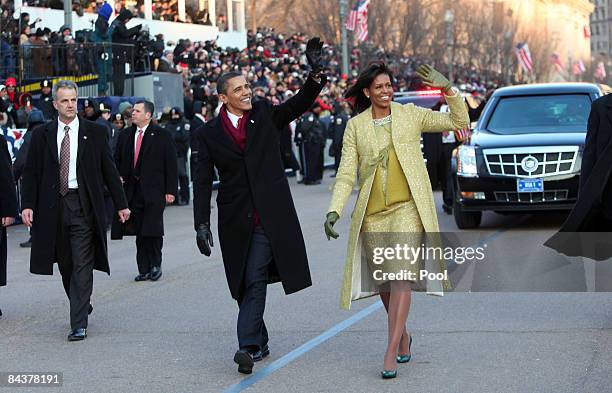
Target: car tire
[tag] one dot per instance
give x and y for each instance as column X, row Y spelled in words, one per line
column 466, row 220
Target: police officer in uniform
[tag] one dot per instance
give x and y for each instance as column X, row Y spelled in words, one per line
column 310, row 135
column 179, row 128
column 90, row 110
column 45, row 102
column 105, row 119
column 336, row 132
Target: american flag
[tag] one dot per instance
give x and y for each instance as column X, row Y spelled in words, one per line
column 358, row 18
column 524, row 56
column 556, row 60
column 600, row 71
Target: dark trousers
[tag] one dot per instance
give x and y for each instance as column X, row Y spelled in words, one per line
column 148, row 248
column 183, row 179
column 252, row 332
column 118, row 76
column 337, row 158
column 148, row 253
column 75, row 256
column 314, row 161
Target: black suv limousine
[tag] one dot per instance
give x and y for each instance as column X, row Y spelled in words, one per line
column 525, row 152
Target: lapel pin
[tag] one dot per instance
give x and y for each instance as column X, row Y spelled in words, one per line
column 253, row 121
column 84, row 136
column 152, row 133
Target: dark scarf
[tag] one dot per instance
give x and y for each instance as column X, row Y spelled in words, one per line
column 238, row 134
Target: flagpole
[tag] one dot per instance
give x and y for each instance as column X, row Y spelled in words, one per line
column 344, row 37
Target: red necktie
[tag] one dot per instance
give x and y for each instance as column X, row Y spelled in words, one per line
column 138, row 144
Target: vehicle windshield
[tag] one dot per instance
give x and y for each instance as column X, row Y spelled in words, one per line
column 541, row 114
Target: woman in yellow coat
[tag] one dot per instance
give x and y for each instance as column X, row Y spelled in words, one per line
column 382, row 144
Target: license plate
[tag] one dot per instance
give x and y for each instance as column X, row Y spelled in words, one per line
column 530, row 185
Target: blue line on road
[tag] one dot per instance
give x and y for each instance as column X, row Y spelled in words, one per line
column 296, row 353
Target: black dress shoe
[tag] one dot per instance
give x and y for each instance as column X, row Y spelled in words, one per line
column 244, row 360
column 448, row 209
column 142, row 277
column 156, row 273
column 26, row 244
column 261, row 354
column 77, row 334
column 90, row 309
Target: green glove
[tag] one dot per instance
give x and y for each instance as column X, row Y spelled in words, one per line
column 433, row 78
column 332, row 217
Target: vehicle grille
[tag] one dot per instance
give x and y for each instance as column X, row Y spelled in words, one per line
column 551, row 161
column 531, row 197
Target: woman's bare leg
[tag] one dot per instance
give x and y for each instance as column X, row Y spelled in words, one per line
column 399, row 306
column 405, row 341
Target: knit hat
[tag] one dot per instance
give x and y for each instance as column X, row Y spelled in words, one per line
column 105, row 11
column 123, row 106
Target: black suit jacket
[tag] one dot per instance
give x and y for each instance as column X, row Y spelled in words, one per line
column 156, row 174
column 40, row 190
column 254, row 179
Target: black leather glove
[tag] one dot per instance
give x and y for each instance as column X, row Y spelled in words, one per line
column 314, row 50
column 330, row 220
column 204, row 239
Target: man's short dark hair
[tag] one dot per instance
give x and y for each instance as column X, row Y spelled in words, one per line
column 223, row 79
column 148, row 106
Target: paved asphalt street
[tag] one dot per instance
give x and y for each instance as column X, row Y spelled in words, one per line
column 178, row 334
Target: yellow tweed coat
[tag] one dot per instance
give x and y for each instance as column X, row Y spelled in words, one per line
column 360, row 150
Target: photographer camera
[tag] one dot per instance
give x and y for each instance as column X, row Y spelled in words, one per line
column 144, row 49
column 123, row 48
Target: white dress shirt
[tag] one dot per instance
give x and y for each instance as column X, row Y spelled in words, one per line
column 144, row 130
column 201, row 117
column 74, row 148
column 233, row 118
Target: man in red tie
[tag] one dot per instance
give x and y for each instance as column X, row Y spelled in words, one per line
column 146, row 159
column 62, row 196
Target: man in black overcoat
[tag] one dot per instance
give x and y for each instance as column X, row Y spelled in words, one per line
column 146, row 159
column 8, row 204
column 62, row 200
column 593, row 210
column 260, row 235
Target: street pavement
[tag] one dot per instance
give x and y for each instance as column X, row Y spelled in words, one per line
column 178, row 334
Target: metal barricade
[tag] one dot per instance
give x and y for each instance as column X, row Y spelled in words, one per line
column 104, row 64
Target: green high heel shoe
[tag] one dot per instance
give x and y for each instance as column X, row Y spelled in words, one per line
column 386, row 374
column 405, row 358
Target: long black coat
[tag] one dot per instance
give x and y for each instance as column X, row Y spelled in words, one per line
column 194, row 125
column 254, row 179
column 157, row 172
column 595, row 193
column 8, row 202
column 40, row 190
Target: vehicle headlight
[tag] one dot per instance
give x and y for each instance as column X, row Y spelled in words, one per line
column 466, row 161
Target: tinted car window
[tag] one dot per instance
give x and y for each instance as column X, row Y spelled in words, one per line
column 541, row 114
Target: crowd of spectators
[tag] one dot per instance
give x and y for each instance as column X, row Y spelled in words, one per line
column 272, row 62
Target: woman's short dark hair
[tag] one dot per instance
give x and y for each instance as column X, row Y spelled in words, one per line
column 364, row 80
